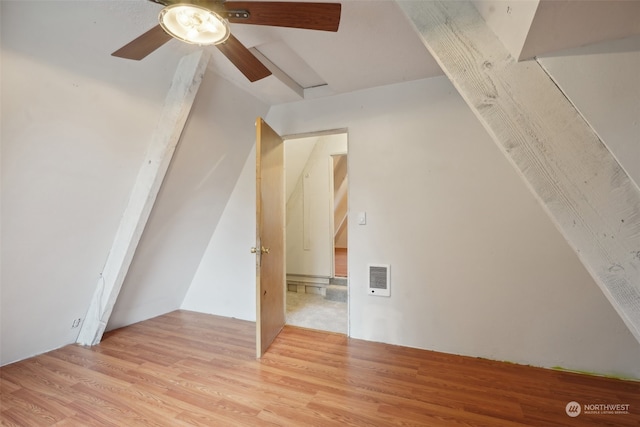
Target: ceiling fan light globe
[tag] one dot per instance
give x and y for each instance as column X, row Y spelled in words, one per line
column 194, row 24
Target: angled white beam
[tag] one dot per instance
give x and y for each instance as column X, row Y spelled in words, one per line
column 278, row 73
column 164, row 140
column 589, row 197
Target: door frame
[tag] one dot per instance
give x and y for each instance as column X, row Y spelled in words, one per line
column 336, row 131
column 302, row 135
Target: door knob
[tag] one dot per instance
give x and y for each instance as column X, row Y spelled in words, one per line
column 262, row 250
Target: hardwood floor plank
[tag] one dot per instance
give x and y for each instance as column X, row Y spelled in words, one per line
column 190, row 369
column 48, row 404
column 288, row 416
column 154, row 377
column 442, row 417
column 96, row 362
column 8, row 386
column 260, row 386
column 19, row 416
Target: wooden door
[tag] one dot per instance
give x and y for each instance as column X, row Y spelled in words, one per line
column 270, row 257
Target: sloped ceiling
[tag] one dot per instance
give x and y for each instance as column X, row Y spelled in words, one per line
column 530, row 28
column 375, row 44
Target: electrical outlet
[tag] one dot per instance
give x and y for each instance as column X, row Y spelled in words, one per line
column 76, row 323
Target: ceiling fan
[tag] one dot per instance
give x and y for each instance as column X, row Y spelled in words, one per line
column 205, row 22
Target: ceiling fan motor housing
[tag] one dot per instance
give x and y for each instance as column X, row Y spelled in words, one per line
column 216, row 6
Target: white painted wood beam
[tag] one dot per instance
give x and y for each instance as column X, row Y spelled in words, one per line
column 279, row 74
column 588, row 195
column 164, row 140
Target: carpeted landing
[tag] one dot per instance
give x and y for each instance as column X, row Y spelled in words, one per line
column 315, row 312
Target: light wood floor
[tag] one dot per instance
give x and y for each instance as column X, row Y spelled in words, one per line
column 192, row 369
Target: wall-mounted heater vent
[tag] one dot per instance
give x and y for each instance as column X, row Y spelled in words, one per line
column 379, row 280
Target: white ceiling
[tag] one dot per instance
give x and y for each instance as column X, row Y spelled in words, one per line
column 530, row 28
column 374, row 46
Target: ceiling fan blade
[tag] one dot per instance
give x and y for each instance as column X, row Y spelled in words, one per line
column 243, row 59
column 143, row 45
column 310, row 16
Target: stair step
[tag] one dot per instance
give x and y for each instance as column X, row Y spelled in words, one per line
column 342, row 281
column 336, row 293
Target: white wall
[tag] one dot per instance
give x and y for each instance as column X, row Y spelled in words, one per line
column 296, row 154
column 603, row 82
column 75, row 126
column 225, row 281
column 206, row 165
column 309, row 209
column 477, row 267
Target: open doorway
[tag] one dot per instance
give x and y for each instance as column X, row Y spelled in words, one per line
column 316, row 195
